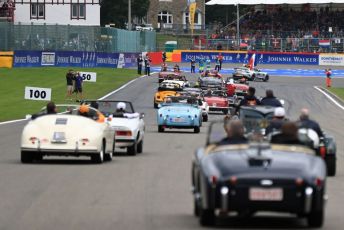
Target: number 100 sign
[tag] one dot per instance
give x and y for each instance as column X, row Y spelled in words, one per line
column 40, row 94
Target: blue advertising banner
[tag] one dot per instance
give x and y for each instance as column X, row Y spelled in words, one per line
column 27, row 59
column 64, row 59
column 292, row 58
column 261, row 58
column 126, row 60
column 227, row 57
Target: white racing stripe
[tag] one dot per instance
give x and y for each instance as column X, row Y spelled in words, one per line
column 329, row 97
column 102, row 98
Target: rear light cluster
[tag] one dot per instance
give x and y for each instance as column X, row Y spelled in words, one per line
column 319, row 182
column 123, row 133
column 33, row 139
column 84, row 141
column 299, row 181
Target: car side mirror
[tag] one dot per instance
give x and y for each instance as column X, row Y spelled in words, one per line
column 282, row 101
column 142, row 115
column 159, row 106
column 28, row 116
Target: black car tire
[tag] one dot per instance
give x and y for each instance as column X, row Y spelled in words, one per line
column 156, row 105
column 205, row 118
column 266, row 78
column 98, row 158
column 160, row 129
column 253, row 77
column 316, row 219
column 38, row 157
column 140, row 146
column 196, row 207
column 207, row 217
column 225, row 111
column 132, row 150
column 196, row 129
column 26, row 157
column 108, row 156
column 331, row 165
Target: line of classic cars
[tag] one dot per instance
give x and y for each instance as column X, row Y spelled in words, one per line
column 68, row 133
column 227, row 180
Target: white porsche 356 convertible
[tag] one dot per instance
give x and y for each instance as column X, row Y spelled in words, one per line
column 67, row 134
column 128, row 125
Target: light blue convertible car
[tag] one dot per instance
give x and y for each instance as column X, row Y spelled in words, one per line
column 179, row 113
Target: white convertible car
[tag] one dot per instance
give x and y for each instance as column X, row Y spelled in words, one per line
column 67, row 134
column 129, row 126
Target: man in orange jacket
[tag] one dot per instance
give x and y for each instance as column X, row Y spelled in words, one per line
column 328, row 73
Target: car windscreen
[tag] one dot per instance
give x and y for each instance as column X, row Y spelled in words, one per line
column 110, row 107
column 254, row 120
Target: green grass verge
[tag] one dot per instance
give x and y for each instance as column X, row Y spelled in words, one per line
column 13, row 82
column 338, row 91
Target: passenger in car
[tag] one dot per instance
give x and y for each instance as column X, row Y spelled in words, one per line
column 288, row 135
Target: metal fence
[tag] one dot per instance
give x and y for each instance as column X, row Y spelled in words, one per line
column 74, row 38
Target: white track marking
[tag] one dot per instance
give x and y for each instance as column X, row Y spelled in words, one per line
column 329, row 97
column 102, row 98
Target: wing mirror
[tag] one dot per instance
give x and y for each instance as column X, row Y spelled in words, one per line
column 142, row 115
column 28, row 116
column 282, row 101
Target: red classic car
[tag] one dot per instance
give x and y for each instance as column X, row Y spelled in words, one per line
column 217, row 100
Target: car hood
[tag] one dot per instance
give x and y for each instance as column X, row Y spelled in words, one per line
column 241, row 87
column 131, row 123
column 214, row 99
column 280, row 164
column 166, row 93
column 178, row 110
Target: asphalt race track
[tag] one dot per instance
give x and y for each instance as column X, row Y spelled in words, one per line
column 151, row 190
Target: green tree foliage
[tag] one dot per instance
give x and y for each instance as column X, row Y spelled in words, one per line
column 223, row 13
column 116, row 11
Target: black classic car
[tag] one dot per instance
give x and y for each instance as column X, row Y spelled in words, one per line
column 248, row 178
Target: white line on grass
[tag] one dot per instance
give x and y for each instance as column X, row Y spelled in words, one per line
column 102, row 98
column 329, row 97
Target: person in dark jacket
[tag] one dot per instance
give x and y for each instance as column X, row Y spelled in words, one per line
column 249, row 100
column 288, row 135
column 235, row 132
column 277, row 121
column 139, row 64
column 270, row 99
column 306, row 122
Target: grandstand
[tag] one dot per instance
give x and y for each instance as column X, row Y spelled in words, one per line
column 306, row 27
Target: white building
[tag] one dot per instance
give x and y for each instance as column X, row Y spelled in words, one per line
column 62, row 12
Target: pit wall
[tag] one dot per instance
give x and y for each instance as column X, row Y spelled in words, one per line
column 127, row 60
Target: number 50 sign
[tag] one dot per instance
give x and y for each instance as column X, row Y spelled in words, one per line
column 34, row 93
column 89, row 76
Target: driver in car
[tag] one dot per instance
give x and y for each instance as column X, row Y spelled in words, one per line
column 121, row 111
column 235, row 132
